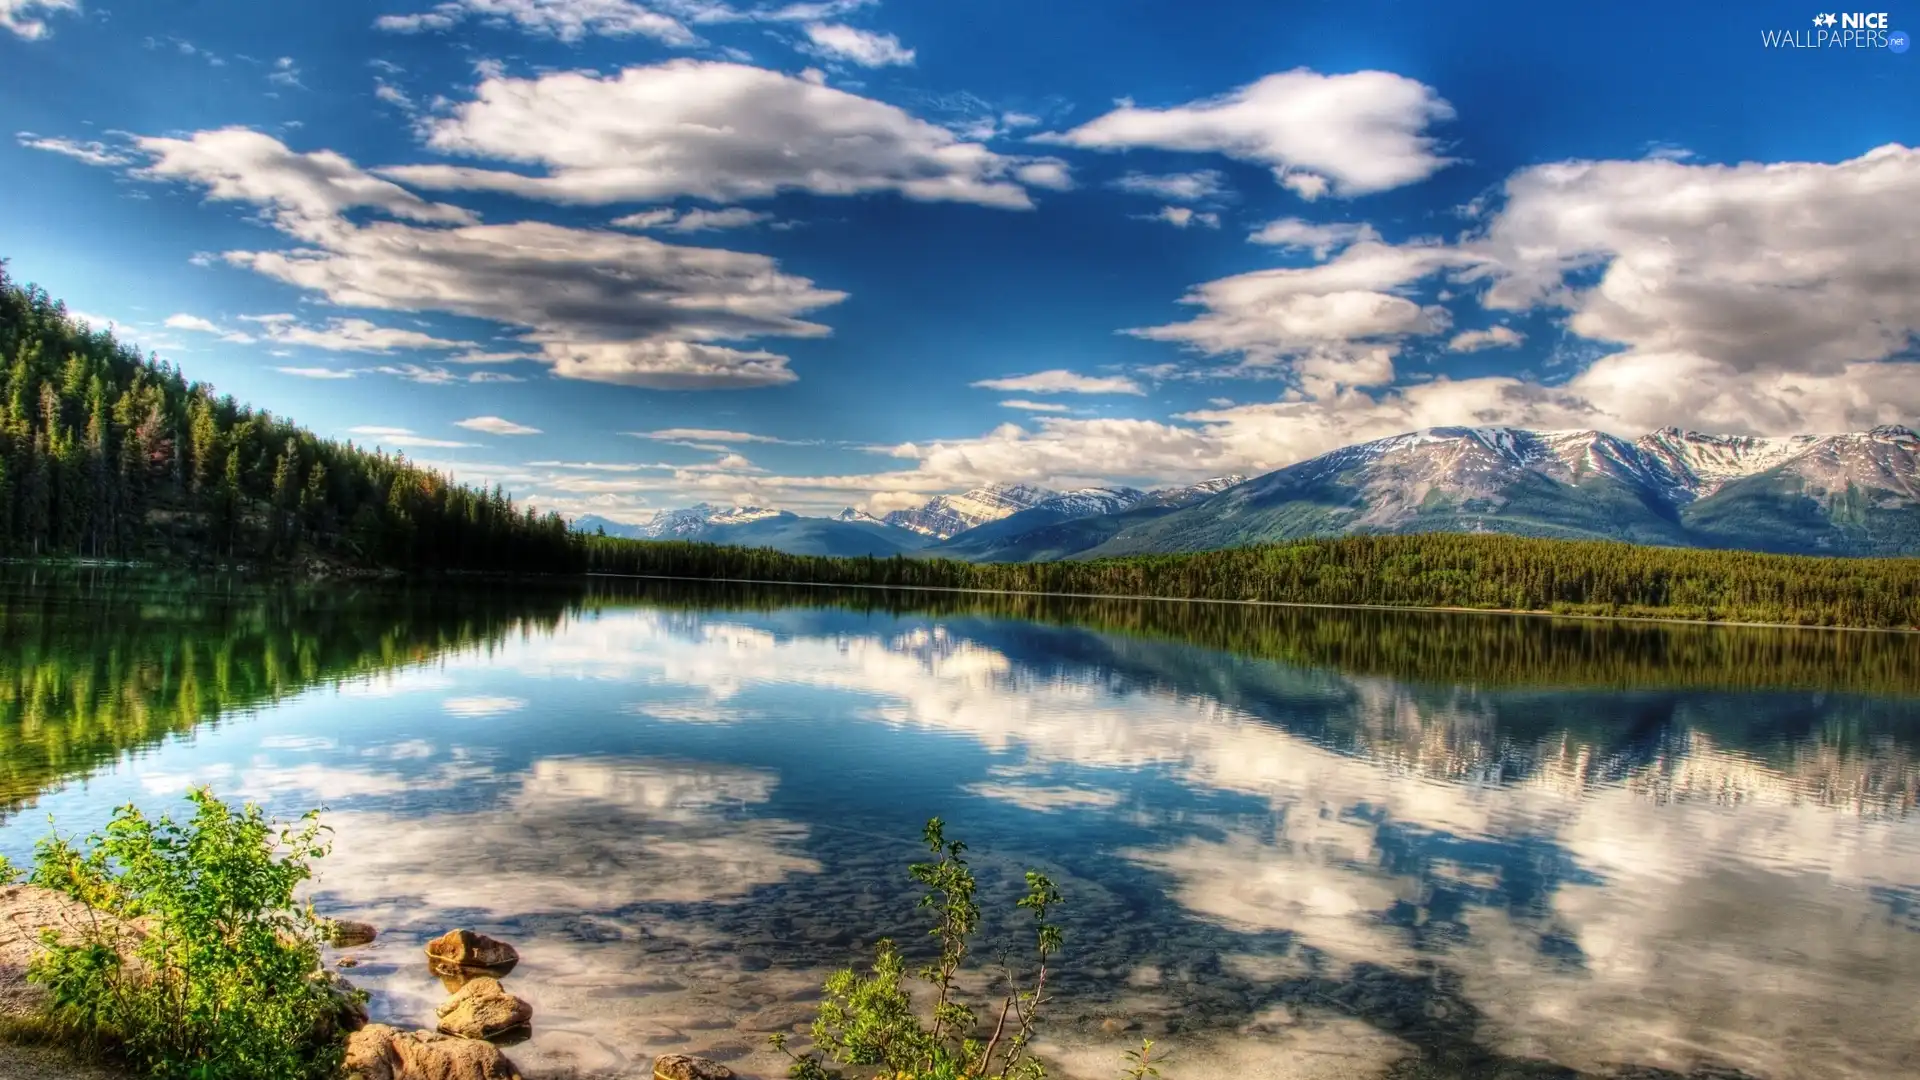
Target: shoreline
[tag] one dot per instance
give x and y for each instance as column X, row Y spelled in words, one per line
column 1659, row 619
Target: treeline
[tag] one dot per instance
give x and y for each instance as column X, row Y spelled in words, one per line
column 1445, row 570
column 105, row 453
column 97, row 663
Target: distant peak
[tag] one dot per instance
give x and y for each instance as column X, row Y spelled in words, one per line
column 1894, row 433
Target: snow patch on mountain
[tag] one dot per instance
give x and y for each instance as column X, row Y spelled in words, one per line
column 691, row 520
column 1085, row 502
column 1701, row 464
column 946, row 515
column 857, row 517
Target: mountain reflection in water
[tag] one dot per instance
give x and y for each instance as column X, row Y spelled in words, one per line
column 1293, row 843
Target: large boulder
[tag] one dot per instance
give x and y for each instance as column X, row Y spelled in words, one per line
column 379, row 1052
column 466, row 949
column 482, row 1010
column 685, row 1067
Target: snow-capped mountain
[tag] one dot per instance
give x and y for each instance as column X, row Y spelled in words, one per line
column 1181, row 496
column 945, row 515
column 857, row 517
column 1856, row 493
column 1092, row 500
column 688, row 521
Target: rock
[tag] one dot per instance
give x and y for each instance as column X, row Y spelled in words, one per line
column 466, row 949
column 482, row 1010
column 349, row 1007
column 347, row 934
column 346, row 962
column 379, row 1052
column 682, row 1067
column 27, row 912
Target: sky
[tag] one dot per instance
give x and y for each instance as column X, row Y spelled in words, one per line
column 625, row 255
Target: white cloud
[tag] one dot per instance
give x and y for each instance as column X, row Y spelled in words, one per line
column 305, row 192
column 1353, row 134
column 1033, row 406
column 1181, row 217
column 192, row 322
column 348, row 335
column 25, row 18
column 707, row 435
column 315, row 372
column 393, row 95
column 1321, row 238
column 285, row 72
column 1175, row 187
column 397, row 436
column 91, row 152
column 1334, row 324
column 494, row 425
column 566, row 20
column 717, row 131
column 599, row 305
column 697, row 220
column 1063, row 382
column 863, row 47
column 440, row 376
column 1498, row 337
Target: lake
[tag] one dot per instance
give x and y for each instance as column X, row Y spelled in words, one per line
column 1293, row 843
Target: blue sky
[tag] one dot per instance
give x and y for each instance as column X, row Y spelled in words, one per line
column 631, row 254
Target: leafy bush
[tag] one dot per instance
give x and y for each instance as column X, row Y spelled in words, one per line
column 197, row 964
column 869, row 1021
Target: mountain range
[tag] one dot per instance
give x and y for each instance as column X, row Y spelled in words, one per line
column 1848, row 494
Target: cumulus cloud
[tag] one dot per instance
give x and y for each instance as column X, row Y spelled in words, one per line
column 1758, row 267
column 863, row 47
column 26, row 18
column 1034, row 406
column 302, row 192
column 718, row 131
column 494, row 425
column 1498, row 337
column 696, row 220
column 1063, row 382
column 597, row 305
column 1175, row 187
column 191, row 322
column 1333, row 324
column 566, row 20
column 1350, row 134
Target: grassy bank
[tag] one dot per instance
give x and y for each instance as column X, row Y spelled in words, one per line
column 1431, row 570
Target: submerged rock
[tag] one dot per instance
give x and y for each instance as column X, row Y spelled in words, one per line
column 684, row 1067
column 482, row 1009
column 379, row 1052
column 466, row 949
column 347, row 934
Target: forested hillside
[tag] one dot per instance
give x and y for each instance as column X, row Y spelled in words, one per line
column 105, row 453
column 1419, row 570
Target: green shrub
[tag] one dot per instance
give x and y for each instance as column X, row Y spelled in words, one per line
column 869, row 1021
column 220, row 976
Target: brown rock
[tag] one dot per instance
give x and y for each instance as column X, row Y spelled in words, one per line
column 464, row 948
column 27, row 912
column 482, row 1010
column 347, row 934
column 683, row 1067
column 379, row 1052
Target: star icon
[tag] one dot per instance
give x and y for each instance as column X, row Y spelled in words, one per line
column 1831, row 20
column 1819, row 20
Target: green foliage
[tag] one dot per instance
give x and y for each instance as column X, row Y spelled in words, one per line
column 1437, row 570
column 198, row 965
column 869, row 1021
column 106, row 453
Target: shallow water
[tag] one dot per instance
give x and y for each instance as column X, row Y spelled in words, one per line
column 1311, row 844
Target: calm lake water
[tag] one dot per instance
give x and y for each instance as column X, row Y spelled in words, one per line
column 1293, row 843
